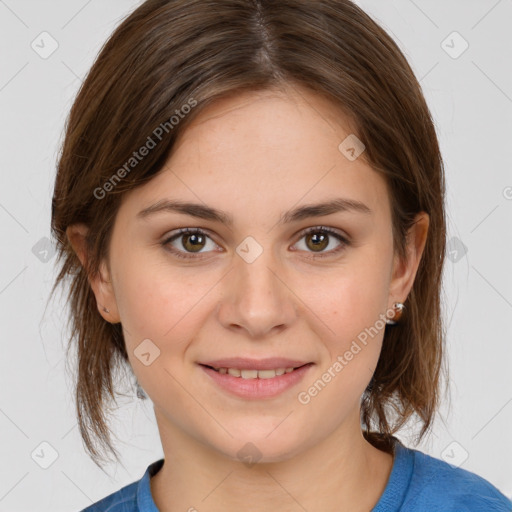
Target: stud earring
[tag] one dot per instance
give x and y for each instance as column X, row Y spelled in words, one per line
column 105, row 309
column 398, row 310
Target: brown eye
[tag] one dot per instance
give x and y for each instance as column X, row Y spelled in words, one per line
column 318, row 239
column 193, row 240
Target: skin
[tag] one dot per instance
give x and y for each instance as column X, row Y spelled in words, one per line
column 255, row 156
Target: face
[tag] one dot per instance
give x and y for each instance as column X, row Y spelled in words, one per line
column 268, row 284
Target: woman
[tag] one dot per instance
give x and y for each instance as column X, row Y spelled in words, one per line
column 250, row 204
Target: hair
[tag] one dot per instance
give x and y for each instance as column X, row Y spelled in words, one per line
column 167, row 61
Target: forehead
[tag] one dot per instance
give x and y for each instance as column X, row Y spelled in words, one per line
column 268, row 119
column 260, row 151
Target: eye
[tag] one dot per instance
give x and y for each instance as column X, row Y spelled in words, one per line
column 193, row 240
column 319, row 237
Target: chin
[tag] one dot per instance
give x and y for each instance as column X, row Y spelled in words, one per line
column 260, row 448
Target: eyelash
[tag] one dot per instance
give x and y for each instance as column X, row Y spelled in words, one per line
column 316, row 229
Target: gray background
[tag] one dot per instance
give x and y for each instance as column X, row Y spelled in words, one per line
column 470, row 95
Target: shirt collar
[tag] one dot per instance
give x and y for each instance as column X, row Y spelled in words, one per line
column 399, row 479
column 144, row 498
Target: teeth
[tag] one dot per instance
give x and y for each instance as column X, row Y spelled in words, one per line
column 253, row 374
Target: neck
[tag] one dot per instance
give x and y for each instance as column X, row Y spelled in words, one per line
column 342, row 472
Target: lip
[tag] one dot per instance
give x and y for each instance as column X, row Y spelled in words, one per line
column 244, row 363
column 256, row 388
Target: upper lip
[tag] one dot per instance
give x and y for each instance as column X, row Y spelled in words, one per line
column 243, row 363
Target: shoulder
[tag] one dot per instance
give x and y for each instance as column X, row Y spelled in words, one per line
column 124, row 500
column 439, row 486
column 132, row 497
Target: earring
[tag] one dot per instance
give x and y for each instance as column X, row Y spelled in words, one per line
column 398, row 310
column 105, row 309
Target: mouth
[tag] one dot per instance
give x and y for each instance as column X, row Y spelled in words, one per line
column 256, row 384
column 246, row 373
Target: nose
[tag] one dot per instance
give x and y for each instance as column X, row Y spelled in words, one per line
column 256, row 298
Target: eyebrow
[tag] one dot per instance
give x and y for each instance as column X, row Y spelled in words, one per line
column 208, row 213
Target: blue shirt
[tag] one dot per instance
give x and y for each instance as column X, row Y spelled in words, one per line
column 417, row 483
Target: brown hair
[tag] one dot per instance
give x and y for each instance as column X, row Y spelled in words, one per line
column 171, row 53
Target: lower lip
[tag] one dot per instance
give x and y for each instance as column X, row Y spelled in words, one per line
column 257, row 388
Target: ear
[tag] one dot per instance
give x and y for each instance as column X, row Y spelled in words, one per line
column 101, row 283
column 404, row 272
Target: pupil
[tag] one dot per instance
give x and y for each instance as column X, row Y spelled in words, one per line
column 319, row 240
column 193, row 239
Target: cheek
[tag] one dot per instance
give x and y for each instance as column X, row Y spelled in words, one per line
column 351, row 309
column 355, row 298
column 352, row 343
column 157, row 301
